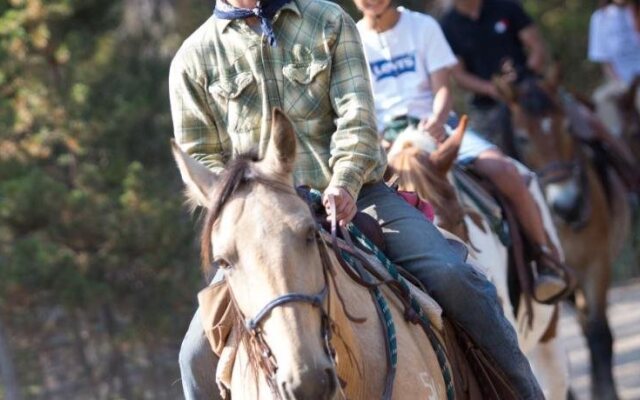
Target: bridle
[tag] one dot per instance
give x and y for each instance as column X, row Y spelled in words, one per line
column 253, row 325
column 558, row 171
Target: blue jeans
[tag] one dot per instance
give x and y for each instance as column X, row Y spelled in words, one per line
column 415, row 244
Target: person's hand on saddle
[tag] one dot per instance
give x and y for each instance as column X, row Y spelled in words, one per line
column 434, row 128
column 345, row 205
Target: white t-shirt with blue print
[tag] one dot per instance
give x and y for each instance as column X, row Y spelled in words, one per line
column 400, row 63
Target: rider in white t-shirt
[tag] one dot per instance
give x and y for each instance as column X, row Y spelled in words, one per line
column 409, row 62
column 614, row 41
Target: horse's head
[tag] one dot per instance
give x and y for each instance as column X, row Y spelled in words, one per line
column 264, row 238
column 422, row 166
column 543, row 141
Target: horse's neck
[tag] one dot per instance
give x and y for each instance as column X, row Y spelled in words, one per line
column 359, row 346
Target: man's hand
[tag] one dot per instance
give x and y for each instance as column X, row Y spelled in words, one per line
column 434, row 128
column 345, row 204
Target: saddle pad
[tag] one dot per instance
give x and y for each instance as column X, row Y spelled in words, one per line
column 478, row 195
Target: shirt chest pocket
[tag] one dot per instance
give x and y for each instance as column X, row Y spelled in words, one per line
column 306, row 88
column 236, row 97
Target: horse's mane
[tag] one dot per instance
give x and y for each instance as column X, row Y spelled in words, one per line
column 238, row 173
column 416, row 173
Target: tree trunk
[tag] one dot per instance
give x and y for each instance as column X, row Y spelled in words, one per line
column 7, row 371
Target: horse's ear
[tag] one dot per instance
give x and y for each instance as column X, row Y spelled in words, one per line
column 198, row 179
column 506, row 89
column 281, row 151
column 446, row 154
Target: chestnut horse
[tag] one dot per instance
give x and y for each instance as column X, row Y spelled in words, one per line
column 266, row 241
column 590, row 208
column 422, row 168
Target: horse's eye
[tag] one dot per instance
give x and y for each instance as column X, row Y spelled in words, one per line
column 311, row 236
column 221, row 263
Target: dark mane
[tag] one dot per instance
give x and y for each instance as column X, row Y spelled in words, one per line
column 238, row 173
column 534, row 100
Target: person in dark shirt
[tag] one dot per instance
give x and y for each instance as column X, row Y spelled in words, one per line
column 492, row 37
column 486, row 35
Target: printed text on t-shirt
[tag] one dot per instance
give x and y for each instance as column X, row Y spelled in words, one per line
column 394, row 67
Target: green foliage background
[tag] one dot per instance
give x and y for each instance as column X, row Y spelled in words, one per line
column 91, row 216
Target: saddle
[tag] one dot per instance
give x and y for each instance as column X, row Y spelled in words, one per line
column 504, row 223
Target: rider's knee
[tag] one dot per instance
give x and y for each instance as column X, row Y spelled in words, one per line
column 460, row 277
column 503, row 173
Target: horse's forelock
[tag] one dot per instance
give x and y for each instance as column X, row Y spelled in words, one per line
column 239, row 172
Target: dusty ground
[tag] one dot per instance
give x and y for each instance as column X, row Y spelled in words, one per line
column 624, row 316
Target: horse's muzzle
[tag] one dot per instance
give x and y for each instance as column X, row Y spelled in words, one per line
column 318, row 384
column 565, row 200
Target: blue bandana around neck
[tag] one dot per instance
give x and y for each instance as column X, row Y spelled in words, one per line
column 265, row 13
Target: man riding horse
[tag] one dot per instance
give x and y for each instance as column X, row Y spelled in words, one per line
column 305, row 57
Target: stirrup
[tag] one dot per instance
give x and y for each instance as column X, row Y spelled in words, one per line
column 545, row 257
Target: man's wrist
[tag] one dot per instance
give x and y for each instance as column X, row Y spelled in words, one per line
column 348, row 180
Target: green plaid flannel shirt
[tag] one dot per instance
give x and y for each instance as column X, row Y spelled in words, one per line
column 225, row 80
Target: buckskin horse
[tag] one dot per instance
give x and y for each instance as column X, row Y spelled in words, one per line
column 421, row 168
column 588, row 203
column 309, row 331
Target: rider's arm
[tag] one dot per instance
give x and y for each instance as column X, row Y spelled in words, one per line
column 470, row 82
column 193, row 123
column 355, row 150
column 439, row 59
column 442, row 100
column 532, row 41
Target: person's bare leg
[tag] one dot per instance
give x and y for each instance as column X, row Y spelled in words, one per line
column 493, row 165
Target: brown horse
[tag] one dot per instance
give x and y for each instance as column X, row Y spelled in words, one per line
column 265, row 239
column 589, row 206
column 422, row 168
